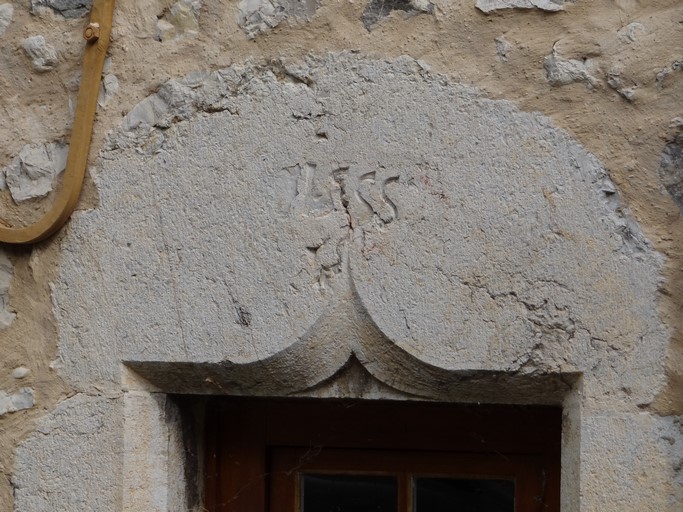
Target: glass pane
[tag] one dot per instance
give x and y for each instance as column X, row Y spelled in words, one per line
column 463, row 495
column 348, row 493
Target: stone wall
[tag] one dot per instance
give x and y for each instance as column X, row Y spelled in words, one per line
column 459, row 201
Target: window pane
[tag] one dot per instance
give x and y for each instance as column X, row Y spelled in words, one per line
column 348, row 493
column 463, row 495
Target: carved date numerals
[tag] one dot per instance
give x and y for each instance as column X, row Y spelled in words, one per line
column 362, row 194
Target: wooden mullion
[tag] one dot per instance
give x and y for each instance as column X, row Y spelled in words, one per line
column 211, row 464
column 405, row 492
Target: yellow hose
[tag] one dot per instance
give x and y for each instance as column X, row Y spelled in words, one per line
column 97, row 36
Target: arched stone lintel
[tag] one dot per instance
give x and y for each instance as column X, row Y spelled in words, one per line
column 348, row 342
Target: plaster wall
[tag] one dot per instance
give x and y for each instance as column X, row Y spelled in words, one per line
column 459, row 201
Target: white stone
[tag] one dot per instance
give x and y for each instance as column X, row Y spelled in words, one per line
column 422, row 5
column 165, row 30
column 630, row 32
column 502, row 48
column 33, row 171
column 43, row 55
column 561, row 71
column 6, row 13
column 22, row 399
column 7, row 316
column 20, row 372
column 108, row 89
column 181, row 21
column 488, row 6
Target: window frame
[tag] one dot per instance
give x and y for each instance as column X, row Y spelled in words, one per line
column 250, row 443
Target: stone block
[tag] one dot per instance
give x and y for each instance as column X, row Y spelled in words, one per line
column 42, row 54
column 73, row 460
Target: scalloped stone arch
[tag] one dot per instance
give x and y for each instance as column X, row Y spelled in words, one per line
column 240, row 209
column 345, row 226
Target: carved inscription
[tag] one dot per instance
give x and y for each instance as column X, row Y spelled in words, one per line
column 362, row 194
column 321, row 194
column 373, row 194
column 315, row 191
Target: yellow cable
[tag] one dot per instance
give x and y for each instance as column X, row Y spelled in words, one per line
column 97, row 36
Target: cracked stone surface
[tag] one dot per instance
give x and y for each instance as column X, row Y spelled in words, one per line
column 32, row 172
column 6, row 314
column 80, row 441
column 488, row 6
column 239, row 207
column 67, row 8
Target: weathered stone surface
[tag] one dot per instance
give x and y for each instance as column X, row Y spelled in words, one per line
column 671, row 169
column 6, row 13
column 67, row 8
column 251, row 202
column 43, row 55
column 561, row 71
column 154, row 454
column 180, row 21
column 73, row 460
column 32, row 172
column 6, row 314
column 258, row 16
column 22, row 399
column 644, row 473
column 488, row 6
column 377, row 10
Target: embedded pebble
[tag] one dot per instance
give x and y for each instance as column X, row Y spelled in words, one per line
column 20, row 372
column 43, row 55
